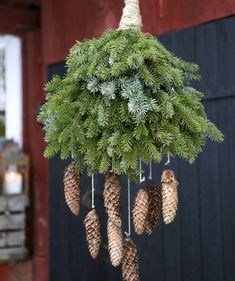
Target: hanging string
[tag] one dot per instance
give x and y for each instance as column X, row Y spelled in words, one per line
column 168, row 159
column 128, row 234
column 142, row 179
column 113, row 165
column 150, row 170
column 92, row 191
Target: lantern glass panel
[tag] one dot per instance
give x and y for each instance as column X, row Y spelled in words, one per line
column 13, row 180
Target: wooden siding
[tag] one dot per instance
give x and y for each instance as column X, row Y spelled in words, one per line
column 200, row 244
column 63, row 24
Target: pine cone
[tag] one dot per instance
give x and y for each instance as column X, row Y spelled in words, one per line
column 115, row 244
column 112, row 190
column 140, row 211
column 154, row 208
column 130, row 266
column 169, row 196
column 93, row 235
column 72, row 189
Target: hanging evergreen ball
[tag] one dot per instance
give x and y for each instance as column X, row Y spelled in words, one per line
column 125, row 97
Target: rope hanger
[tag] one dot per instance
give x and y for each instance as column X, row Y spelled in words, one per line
column 131, row 17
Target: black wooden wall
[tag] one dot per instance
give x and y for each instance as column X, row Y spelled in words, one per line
column 200, row 244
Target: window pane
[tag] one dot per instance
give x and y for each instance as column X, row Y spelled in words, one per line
column 2, row 92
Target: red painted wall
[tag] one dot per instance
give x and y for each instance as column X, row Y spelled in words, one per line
column 24, row 23
column 17, row 272
column 36, row 267
column 64, row 22
column 34, row 145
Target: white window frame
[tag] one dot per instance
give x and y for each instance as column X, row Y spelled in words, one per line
column 13, row 75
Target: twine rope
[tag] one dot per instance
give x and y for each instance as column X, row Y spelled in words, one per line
column 168, row 159
column 128, row 234
column 92, row 191
column 131, row 17
column 113, row 165
column 142, row 178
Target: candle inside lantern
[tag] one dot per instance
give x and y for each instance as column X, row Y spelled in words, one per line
column 13, row 181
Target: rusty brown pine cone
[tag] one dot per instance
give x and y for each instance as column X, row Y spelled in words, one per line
column 93, row 234
column 140, row 211
column 130, row 266
column 169, row 195
column 115, row 242
column 72, row 189
column 154, row 208
column 112, row 191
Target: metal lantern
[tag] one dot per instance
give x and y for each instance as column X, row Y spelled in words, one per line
column 14, row 188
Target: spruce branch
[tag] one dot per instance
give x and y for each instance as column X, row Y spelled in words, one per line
column 124, row 96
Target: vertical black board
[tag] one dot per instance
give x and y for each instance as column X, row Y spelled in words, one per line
column 155, row 264
column 183, row 237
column 199, row 245
column 69, row 257
column 227, row 184
column 211, row 243
column 211, row 246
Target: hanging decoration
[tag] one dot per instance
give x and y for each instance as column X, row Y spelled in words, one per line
column 92, row 226
column 72, row 189
column 169, row 195
column 124, row 100
column 130, row 266
column 125, row 97
column 112, row 193
column 140, row 211
column 154, row 208
column 93, row 234
column 115, row 242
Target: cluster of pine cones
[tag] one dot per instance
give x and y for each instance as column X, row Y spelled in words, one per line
column 146, row 214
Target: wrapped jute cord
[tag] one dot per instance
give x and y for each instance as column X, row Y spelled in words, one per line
column 131, row 17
